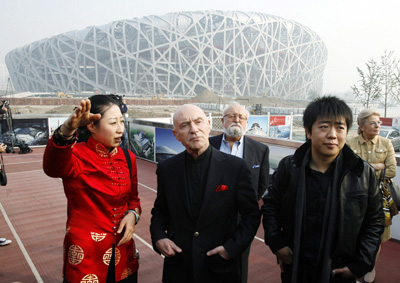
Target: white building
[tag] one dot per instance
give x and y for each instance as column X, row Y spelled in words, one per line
column 230, row 53
column 3, row 77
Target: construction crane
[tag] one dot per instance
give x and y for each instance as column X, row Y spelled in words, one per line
column 9, row 94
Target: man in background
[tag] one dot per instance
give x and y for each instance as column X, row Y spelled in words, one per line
column 233, row 141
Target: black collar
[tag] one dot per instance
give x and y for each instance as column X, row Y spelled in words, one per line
column 352, row 161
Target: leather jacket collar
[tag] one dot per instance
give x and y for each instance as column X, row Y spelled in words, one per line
column 352, row 161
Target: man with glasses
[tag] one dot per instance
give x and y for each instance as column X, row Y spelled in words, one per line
column 233, row 141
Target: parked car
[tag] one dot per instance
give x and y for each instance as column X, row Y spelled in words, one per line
column 393, row 135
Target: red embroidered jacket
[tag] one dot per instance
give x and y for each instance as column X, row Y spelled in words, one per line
column 99, row 192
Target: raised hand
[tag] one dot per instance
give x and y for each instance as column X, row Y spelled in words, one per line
column 80, row 117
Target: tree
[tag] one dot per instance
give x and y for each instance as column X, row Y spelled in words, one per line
column 388, row 67
column 396, row 92
column 370, row 84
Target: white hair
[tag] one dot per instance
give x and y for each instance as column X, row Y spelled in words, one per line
column 230, row 104
column 363, row 117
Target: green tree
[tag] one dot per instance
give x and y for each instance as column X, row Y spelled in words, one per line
column 369, row 88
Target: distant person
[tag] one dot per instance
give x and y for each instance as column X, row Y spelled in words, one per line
column 200, row 192
column 323, row 214
column 124, row 107
column 100, row 183
column 379, row 152
column 3, row 241
column 3, row 149
column 5, row 104
column 233, row 141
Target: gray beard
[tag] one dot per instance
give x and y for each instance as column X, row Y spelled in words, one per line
column 234, row 132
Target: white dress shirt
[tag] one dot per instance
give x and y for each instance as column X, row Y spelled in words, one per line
column 237, row 148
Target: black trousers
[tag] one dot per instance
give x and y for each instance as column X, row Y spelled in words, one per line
column 308, row 273
column 244, row 264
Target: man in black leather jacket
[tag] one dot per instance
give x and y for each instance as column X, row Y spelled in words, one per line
column 323, row 215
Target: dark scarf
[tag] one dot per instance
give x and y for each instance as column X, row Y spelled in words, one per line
column 329, row 227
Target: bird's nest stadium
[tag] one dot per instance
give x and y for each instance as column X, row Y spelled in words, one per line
column 180, row 54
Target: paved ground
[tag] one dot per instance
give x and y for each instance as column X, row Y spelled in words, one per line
column 33, row 214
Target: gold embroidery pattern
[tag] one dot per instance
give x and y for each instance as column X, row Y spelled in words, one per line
column 67, row 230
column 126, row 273
column 107, row 256
column 102, row 151
column 117, row 256
column 98, row 237
column 75, row 255
column 90, row 278
column 114, row 151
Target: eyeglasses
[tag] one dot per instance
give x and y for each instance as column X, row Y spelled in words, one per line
column 234, row 116
column 375, row 123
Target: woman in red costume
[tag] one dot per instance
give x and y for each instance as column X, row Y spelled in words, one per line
column 101, row 189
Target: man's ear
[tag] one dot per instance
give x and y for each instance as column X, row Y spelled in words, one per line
column 308, row 133
column 176, row 135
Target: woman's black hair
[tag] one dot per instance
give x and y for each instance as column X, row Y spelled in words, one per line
column 100, row 103
column 329, row 107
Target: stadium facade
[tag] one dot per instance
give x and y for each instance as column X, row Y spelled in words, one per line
column 178, row 54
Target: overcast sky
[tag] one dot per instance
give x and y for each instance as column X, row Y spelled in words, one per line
column 354, row 31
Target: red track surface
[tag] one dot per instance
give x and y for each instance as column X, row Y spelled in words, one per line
column 35, row 207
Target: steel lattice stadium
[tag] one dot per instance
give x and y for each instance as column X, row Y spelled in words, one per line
column 178, row 54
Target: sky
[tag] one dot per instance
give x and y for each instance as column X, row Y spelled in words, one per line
column 354, row 31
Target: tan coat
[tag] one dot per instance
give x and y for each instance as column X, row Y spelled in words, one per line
column 378, row 150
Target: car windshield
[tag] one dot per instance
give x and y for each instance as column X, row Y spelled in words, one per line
column 383, row 133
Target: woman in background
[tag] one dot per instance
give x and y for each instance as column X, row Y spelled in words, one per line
column 101, row 189
column 378, row 151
